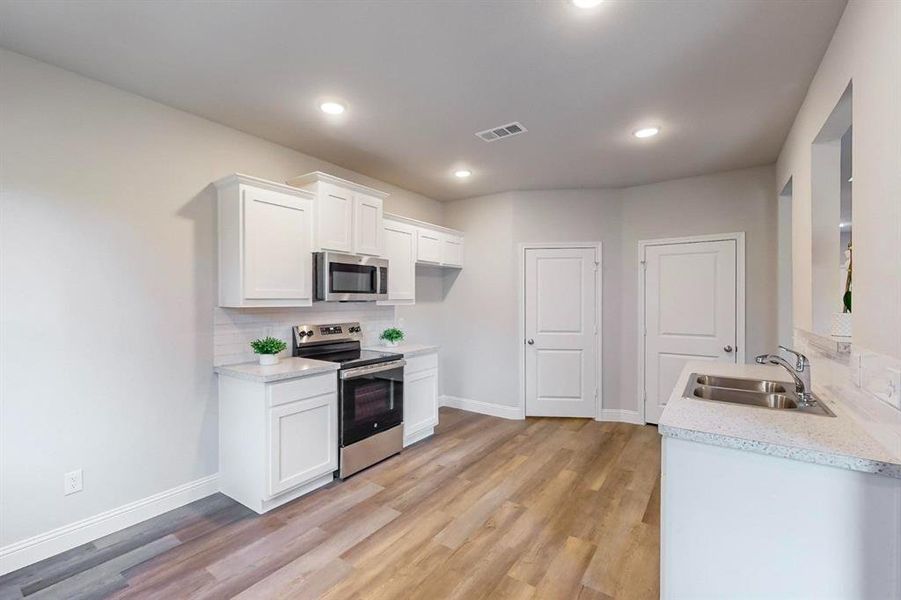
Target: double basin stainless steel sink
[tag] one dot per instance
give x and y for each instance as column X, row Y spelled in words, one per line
column 761, row 393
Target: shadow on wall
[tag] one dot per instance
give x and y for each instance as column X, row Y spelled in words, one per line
column 201, row 212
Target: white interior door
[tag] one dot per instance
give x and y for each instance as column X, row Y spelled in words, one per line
column 690, row 308
column 561, row 345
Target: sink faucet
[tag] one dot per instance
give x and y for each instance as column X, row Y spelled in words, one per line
column 800, row 372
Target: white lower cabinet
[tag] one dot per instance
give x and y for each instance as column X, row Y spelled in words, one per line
column 278, row 440
column 420, row 397
column 302, row 442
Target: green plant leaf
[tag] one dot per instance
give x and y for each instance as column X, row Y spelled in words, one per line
column 268, row 345
column 392, row 334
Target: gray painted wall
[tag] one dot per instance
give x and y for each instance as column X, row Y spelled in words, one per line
column 108, row 287
column 482, row 344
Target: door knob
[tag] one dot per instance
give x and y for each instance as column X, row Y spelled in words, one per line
column 530, row 341
column 727, row 348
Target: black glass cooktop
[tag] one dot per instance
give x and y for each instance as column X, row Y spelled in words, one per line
column 347, row 354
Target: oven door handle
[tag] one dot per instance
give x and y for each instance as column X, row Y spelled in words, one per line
column 370, row 369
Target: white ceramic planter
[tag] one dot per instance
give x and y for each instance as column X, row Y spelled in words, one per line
column 268, row 359
column 389, row 344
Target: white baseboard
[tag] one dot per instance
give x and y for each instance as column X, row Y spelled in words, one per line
column 422, row 434
column 31, row 550
column 483, row 408
column 620, row 415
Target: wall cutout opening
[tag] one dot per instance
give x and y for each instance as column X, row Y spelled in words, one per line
column 831, row 188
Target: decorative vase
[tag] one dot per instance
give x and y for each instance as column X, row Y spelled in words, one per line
column 841, row 325
column 268, row 359
column 390, row 344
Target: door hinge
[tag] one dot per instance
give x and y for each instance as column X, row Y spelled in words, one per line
column 644, row 265
column 595, row 394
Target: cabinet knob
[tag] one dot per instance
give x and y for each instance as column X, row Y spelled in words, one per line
column 530, row 342
column 727, row 348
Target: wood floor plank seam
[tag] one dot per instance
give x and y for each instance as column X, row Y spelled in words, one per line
column 543, row 508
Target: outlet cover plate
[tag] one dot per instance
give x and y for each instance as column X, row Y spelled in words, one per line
column 894, row 387
column 72, row 482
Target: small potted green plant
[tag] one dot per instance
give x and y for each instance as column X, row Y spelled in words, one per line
column 268, row 349
column 391, row 336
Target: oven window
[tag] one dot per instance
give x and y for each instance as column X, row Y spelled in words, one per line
column 372, row 399
column 352, row 279
column 371, row 404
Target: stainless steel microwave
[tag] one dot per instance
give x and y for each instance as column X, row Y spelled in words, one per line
column 349, row 277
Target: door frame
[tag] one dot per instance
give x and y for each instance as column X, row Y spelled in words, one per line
column 739, row 239
column 521, row 329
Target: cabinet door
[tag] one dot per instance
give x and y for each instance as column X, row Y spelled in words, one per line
column 420, row 402
column 335, row 217
column 400, row 250
column 428, row 246
column 367, row 225
column 303, row 441
column 277, row 262
column 452, row 251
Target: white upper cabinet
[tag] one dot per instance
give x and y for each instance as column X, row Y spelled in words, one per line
column 434, row 244
column 452, row 250
column 429, row 246
column 265, row 243
column 367, row 225
column 335, row 218
column 400, row 250
column 348, row 215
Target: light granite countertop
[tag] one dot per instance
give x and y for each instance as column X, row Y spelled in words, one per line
column 407, row 350
column 839, row 441
column 287, row 368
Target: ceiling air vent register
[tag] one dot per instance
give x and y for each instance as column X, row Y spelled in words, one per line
column 504, row 131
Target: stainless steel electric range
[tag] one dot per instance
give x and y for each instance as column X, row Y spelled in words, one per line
column 370, row 393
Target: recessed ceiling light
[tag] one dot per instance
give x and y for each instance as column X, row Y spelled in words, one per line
column 586, row 3
column 462, row 173
column 332, row 108
column 646, row 132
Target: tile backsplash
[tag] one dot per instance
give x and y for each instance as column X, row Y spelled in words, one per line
column 234, row 328
column 860, row 380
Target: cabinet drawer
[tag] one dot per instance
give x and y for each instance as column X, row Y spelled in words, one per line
column 300, row 389
column 422, row 362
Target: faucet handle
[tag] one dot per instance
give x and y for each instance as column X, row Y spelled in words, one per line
column 801, row 361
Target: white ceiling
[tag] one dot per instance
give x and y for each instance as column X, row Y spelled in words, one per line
column 723, row 79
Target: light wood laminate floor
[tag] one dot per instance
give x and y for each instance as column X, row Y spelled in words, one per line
column 486, row 508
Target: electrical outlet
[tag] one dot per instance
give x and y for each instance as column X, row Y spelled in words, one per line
column 894, row 387
column 72, row 482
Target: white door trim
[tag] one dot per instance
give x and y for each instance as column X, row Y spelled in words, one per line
column 739, row 238
column 521, row 329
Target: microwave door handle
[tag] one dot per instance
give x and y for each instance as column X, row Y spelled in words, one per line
column 370, row 369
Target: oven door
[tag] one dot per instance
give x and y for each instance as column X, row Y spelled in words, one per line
column 372, row 400
column 350, row 278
